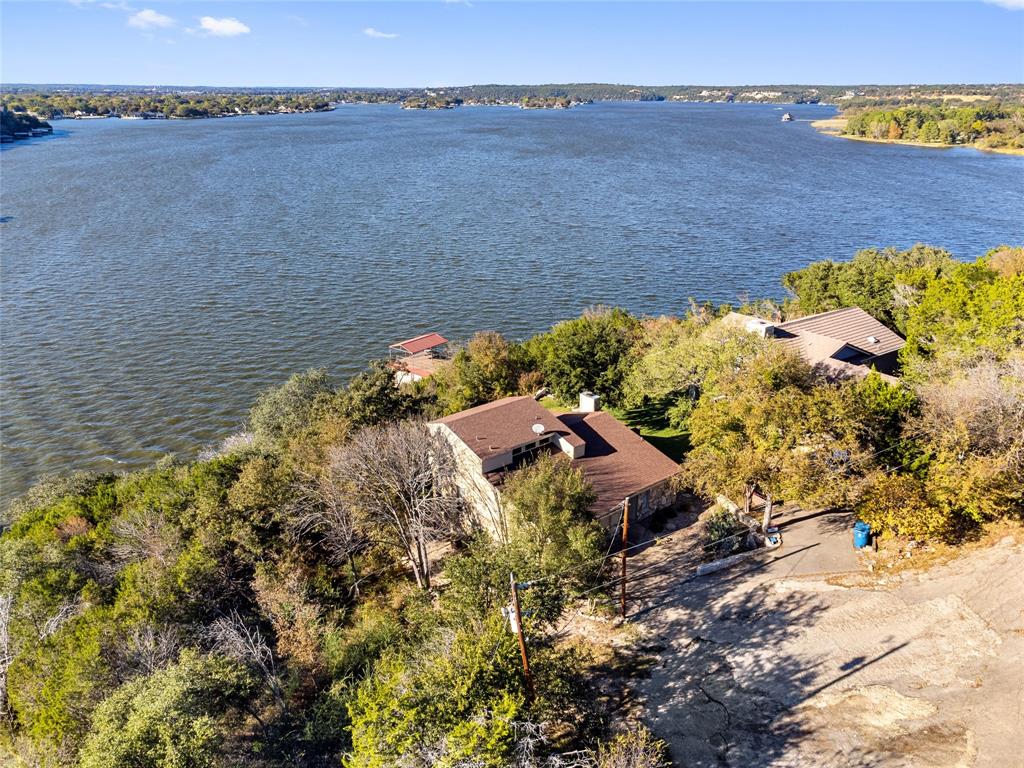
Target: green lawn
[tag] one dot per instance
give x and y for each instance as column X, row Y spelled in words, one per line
column 655, row 429
column 554, row 405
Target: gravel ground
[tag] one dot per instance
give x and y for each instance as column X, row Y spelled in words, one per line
column 752, row 667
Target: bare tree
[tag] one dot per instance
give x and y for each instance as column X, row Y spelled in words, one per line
column 150, row 647
column 322, row 509
column 980, row 408
column 6, row 655
column 234, row 638
column 142, row 534
column 530, row 741
column 401, row 480
column 65, row 613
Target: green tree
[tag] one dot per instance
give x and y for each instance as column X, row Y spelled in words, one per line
column 550, row 534
column 899, row 504
column 878, row 413
column 488, row 368
column 970, row 309
column 677, row 359
column 592, row 352
column 455, row 699
column 929, row 133
column 873, row 280
column 745, row 431
column 371, row 398
column 175, row 718
column 286, row 411
column 550, row 515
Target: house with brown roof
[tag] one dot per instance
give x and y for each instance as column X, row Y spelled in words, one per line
column 496, row 438
column 844, row 342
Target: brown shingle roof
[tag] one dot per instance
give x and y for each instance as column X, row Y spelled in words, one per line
column 498, row 427
column 617, row 462
column 851, row 326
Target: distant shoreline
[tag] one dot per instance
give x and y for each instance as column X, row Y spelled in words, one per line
column 833, row 126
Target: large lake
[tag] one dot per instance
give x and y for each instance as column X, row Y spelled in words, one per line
column 157, row 275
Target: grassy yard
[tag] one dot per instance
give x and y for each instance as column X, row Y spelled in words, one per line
column 656, row 430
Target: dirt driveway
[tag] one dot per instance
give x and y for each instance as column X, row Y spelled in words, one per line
column 760, row 666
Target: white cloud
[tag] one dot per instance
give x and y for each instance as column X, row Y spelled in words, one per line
column 147, row 18
column 226, row 27
column 1013, row 5
column 297, row 20
column 371, row 32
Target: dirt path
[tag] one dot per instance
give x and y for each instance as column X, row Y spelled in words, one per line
column 753, row 668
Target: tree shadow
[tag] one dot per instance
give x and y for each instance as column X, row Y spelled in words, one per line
column 827, row 521
column 26, row 142
column 720, row 681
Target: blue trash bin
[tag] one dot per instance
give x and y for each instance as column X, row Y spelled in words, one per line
column 861, row 535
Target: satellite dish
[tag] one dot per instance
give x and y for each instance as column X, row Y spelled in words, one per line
column 538, row 428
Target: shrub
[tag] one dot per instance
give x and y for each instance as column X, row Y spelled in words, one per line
column 900, row 505
column 287, row 410
column 171, row 718
column 716, row 525
column 635, row 749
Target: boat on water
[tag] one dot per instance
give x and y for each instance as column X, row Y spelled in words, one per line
column 786, row 118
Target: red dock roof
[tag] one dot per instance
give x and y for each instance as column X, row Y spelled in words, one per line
column 420, row 343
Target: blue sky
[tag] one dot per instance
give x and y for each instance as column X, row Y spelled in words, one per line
column 456, row 43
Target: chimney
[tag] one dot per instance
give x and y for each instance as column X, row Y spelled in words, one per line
column 589, row 402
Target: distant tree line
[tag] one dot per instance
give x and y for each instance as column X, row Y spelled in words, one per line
column 55, row 101
column 987, row 126
column 50, row 105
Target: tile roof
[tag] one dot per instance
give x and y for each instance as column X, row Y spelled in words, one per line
column 850, row 326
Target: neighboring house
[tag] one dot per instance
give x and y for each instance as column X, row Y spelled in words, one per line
column 418, row 357
column 846, row 342
column 494, row 439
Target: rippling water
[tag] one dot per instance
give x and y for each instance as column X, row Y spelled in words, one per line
column 157, row 275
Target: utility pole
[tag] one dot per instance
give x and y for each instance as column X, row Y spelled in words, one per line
column 522, row 640
column 625, row 545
